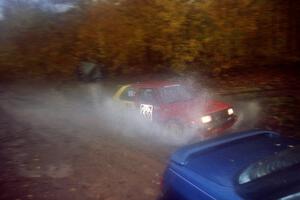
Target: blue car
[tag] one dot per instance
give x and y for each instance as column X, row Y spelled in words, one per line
column 247, row 165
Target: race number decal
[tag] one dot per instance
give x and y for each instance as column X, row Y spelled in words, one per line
column 146, row 110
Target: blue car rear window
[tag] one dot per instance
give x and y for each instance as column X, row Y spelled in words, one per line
column 222, row 164
column 267, row 166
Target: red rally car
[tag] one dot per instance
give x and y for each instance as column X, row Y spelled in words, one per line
column 175, row 105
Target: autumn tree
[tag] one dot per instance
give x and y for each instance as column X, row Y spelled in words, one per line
column 138, row 36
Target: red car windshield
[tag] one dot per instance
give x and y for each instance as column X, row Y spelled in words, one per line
column 175, row 93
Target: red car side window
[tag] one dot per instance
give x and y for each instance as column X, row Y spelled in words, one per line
column 148, row 96
column 128, row 94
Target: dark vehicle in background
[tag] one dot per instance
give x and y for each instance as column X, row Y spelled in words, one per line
column 90, row 71
column 245, row 165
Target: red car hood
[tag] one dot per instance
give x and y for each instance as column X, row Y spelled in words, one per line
column 195, row 108
column 214, row 106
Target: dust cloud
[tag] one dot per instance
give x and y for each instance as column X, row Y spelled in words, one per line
column 86, row 108
column 90, row 110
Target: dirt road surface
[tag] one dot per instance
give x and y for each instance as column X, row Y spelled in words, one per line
column 55, row 144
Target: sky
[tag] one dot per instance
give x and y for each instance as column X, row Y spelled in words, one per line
column 1, row 16
column 46, row 5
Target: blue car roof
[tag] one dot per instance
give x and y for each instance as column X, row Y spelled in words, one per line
column 222, row 159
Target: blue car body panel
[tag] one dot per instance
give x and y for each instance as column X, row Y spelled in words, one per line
column 210, row 169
